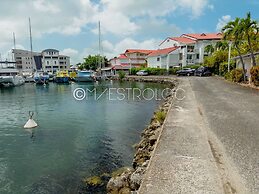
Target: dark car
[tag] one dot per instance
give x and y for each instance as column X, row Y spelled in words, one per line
column 202, row 71
column 185, row 71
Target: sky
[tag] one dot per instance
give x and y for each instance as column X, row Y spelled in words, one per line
column 71, row 26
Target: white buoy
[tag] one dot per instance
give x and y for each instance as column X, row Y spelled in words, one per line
column 30, row 123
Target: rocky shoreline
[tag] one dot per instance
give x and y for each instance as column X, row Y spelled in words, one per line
column 130, row 180
column 127, row 180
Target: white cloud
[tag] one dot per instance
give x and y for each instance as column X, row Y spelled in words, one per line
column 69, row 52
column 44, row 6
column 222, row 22
column 123, row 20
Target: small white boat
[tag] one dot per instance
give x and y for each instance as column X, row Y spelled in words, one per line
column 9, row 75
column 85, row 76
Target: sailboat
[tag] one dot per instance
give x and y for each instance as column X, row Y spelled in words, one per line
column 9, row 74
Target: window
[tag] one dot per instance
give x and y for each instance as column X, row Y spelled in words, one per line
column 189, row 56
column 47, row 62
column 197, row 56
column 55, row 62
column 158, row 59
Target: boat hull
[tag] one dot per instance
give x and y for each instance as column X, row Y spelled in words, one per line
column 41, row 80
column 84, row 79
column 62, row 80
column 11, row 81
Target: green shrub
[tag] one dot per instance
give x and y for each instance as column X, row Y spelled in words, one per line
column 134, row 70
column 121, row 74
column 160, row 116
column 238, row 75
column 173, row 71
column 229, row 76
column 255, row 75
column 223, row 67
column 235, row 75
column 193, row 66
column 215, row 60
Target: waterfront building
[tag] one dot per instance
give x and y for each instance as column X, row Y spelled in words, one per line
column 25, row 60
column 49, row 60
column 188, row 49
column 53, row 61
column 129, row 59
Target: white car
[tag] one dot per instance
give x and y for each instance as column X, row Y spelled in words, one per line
column 142, row 72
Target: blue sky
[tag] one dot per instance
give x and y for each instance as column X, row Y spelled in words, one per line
column 71, row 25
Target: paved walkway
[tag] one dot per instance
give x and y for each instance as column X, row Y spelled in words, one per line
column 209, row 143
column 183, row 161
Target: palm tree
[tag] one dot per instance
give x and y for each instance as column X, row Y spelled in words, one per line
column 221, row 45
column 232, row 31
column 209, row 49
column 250, row 29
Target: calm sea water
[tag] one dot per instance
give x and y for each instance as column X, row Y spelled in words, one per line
column 74, row 139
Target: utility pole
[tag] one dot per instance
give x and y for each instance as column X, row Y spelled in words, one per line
column 229, row 54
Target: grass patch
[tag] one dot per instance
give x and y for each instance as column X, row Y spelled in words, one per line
column 160, row 116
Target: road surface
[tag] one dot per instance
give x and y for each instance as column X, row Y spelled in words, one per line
column 209, row 143
column 232, row 113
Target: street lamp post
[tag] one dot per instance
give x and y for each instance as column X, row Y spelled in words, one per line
column 229, row 53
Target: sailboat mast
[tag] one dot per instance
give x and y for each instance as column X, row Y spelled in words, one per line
column 14, row 42
column 30, row 39
column 99, row 49
column 14, row 46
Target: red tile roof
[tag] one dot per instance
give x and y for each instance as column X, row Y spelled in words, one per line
column 138, row 51
column 122, row 56
column 163, row 51
column 204, row 36
column 183, row 40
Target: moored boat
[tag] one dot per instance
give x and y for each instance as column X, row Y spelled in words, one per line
column 62, row 77
column 85, row 76
column 9, row 75
column 41, row 77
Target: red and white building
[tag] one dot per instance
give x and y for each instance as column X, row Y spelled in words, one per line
column 129, row 59
column 188, row 49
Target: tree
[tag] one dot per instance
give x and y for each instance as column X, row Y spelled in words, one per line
column 215, row 60
column 94, row 62
column 209, row 49
column 221, row 45
column 250, row 30
column 232, row 31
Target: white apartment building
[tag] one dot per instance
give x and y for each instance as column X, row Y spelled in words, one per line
column 52, row 61
column 48, row 60
column 188, row 49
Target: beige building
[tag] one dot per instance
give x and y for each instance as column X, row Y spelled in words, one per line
column 25, row 60
column 49, row 60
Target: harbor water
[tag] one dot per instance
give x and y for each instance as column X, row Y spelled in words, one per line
column 74, row 139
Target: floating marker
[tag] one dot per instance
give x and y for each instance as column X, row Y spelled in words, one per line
column 30, row 123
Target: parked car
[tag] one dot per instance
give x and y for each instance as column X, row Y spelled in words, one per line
column 142, row 72
column 202, row 71
column 185, row 71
